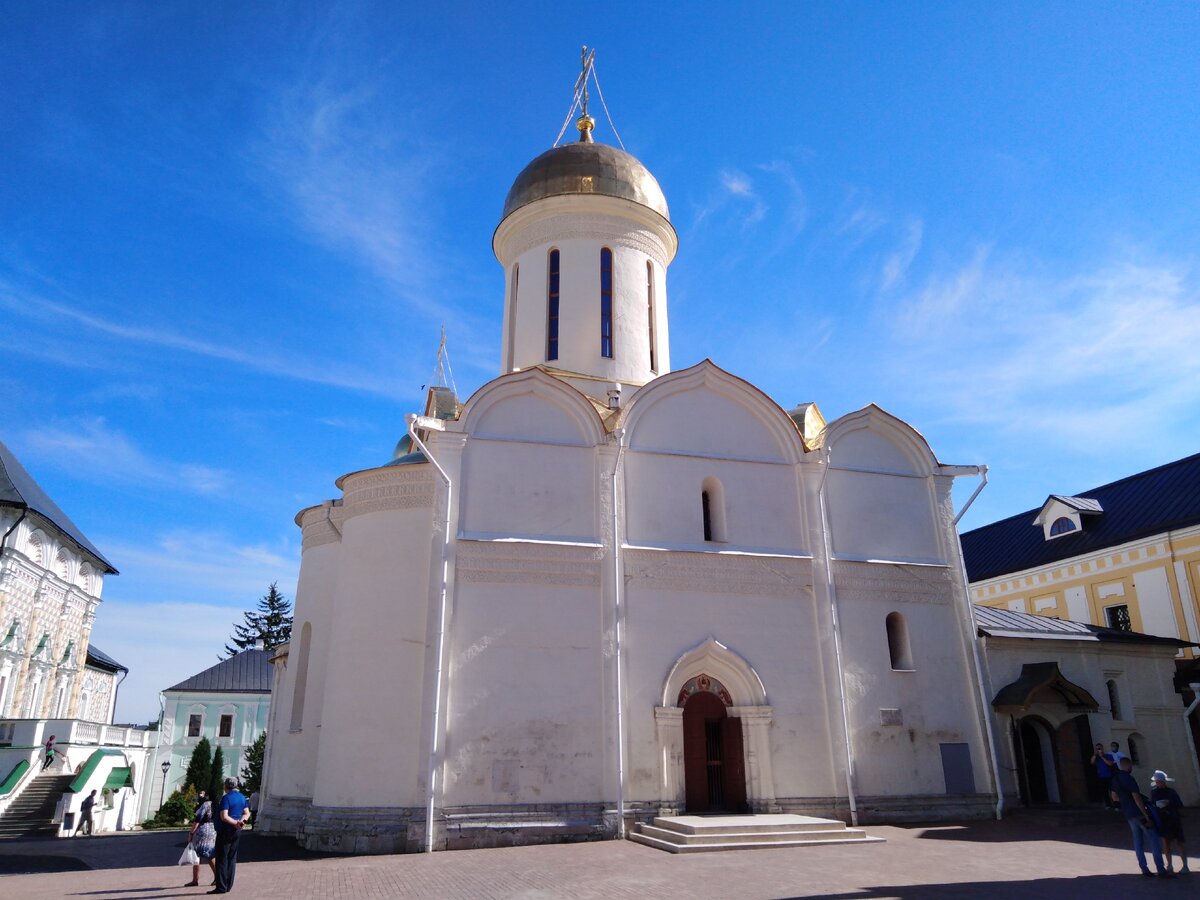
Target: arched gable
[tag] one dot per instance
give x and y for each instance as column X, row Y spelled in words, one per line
column 880, row 496
column 714, row 659
column 874, row 439
column 532, row 406
column 706, row 411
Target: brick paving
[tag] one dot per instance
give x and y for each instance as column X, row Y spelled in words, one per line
column 1007, row 860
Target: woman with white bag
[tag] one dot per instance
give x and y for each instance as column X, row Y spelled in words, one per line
column 203, row 840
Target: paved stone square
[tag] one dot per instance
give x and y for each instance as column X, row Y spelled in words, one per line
column 1017, row 858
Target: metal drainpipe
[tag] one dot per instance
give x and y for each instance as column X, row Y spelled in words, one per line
column 618, row 615
column 13, row 527
column 837, row 640
column 985, row 706
column 435, row 743
column 1187, row 725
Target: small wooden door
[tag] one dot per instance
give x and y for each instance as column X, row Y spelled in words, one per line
column 714, row 770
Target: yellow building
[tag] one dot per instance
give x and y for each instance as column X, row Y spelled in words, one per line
column 1124, row 556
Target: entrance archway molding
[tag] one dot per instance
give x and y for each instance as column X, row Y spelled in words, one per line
column 713, row 658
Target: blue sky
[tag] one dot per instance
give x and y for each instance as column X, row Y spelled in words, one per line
column 230, row 234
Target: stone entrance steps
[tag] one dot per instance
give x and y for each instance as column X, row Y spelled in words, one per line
column 699, row 834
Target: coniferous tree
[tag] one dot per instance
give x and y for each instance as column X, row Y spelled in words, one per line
column 252, row 770
column 270, row 624
column 216, row 788
column 199, row 770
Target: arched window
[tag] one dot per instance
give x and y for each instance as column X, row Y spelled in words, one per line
column 1114, row 702
column 301, row 677
column 1061, row 525
column 606, row 301
column 712, row 508
column 1135, row 748
column 898, row 645
column 512, row 318
column 650, row 316
column 552, row 307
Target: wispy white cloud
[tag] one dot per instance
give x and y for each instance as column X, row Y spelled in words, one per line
column 857, row 219
column 1100, row 355
column 88, row 446
column 29, row 304
column 739, row 187
column 896, row 265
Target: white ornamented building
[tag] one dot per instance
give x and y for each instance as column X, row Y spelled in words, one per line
column 602, row 589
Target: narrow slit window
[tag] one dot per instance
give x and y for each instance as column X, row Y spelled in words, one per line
column 712, row 510
column 650, row 316
column 552, row 308
column 1114, row 700
column 898, row 645
column 512, row 319
column 606, row 303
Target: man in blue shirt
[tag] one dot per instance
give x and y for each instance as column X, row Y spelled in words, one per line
column 1133, row 807
column 232, row 818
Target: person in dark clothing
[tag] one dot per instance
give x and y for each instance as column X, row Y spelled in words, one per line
column 85, row 814
column 1106, row 767
column 233, row 817
column 1127, row 793
column 1167, row 804
column 49, row 754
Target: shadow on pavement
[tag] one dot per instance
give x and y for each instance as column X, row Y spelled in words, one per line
column 1110, row 831
column 1058, row 888
column 148, row 849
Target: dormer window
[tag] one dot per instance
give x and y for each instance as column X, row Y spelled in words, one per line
column 1062, row 515
column 1061, row 525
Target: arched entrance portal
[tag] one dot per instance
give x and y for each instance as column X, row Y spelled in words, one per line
column 713, row 755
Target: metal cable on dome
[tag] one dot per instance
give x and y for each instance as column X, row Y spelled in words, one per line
column 567, row 120
column 600, row 94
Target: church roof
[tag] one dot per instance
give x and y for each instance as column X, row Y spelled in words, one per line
column 584, row 167
column 19, row 490
column 1141, row 505
column 98, row 659
column 249, row 672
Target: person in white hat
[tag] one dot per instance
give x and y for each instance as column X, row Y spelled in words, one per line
column 1167, row 801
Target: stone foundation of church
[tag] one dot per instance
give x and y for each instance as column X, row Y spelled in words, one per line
column 363, row 829
column 925, row 808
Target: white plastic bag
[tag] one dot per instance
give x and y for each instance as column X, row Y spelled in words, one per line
column 189, row 857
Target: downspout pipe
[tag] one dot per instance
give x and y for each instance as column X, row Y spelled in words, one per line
column 1187, row 727
column 985, row 705
column 440, row 650
column 13, row 527
column 618, row 623
column 837, row 639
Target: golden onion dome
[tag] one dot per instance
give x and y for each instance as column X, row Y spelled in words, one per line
column 585, row 167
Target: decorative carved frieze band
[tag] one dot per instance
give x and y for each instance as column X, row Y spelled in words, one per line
column 892, row 582
column 511, row 563
column 609, row 229
column 714, row 573
column 388, row 489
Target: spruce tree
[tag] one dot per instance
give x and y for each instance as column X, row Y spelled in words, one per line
column 270, row 624
column 216, row 788
column 252, row 770
column 199, row 770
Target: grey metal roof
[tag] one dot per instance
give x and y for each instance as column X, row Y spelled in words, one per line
column 97, row 658
column 1009, row 623
column 19, row 490
column 1138, row 506
column 1083, row 504
column 586, row 168
column 248, row 672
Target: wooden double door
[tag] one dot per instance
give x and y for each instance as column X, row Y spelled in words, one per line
column 714, row 762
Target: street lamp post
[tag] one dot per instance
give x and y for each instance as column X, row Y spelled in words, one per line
column 161, row 797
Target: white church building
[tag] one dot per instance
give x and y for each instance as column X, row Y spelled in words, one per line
column 602, row 590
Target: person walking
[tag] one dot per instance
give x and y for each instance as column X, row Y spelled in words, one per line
column 85, row 814
column 49, row 754
column 1168, row 804
column 231, row 821
column 1137, row 814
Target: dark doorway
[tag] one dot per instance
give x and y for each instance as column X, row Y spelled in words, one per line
column 1077, row 775
column 1034, row 747
column 714, row 771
